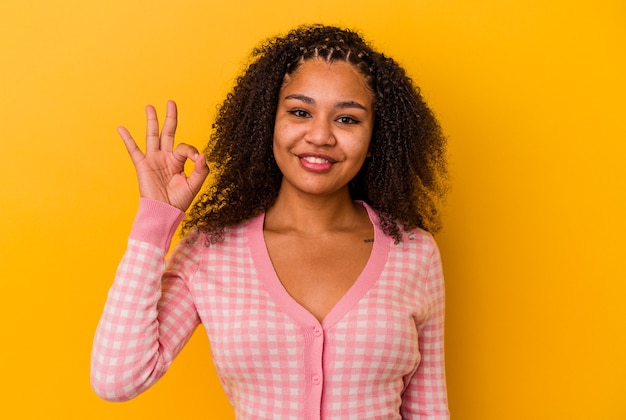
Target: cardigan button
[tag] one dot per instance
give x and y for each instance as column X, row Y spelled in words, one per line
column 317, row 379
column 317, row 331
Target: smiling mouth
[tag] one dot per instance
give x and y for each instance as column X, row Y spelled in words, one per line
column 316, row 163
column 316, row 160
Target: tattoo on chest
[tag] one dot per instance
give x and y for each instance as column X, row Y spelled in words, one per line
column 368, row 240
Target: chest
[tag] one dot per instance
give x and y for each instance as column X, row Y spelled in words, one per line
column 251, row 331
column 255, row 329
column 317, row 272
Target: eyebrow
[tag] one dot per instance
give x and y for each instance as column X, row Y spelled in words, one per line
column 311, row 101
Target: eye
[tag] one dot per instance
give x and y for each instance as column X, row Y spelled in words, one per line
column 300, row 113
column 347, row 120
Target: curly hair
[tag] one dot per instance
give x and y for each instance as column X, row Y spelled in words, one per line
column 404, row 180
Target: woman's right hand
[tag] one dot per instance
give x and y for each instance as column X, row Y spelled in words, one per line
column 160, row 170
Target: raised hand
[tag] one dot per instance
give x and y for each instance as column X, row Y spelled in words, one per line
column 160, row 170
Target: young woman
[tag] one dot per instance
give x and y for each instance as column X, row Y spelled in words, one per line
column 307, row 259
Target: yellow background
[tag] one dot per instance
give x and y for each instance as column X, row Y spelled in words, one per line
column 531, row 94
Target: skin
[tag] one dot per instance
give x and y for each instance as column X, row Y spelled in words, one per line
column 323, row 129
column 160, row 170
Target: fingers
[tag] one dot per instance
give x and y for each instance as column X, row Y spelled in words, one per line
column 199, row 174
column 169, row 127
column 200, row 169
column 134, row 151
column 185, row 151
column 153, row 142
column 165, row 139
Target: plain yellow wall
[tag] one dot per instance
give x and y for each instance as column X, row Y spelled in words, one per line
column 531, row 94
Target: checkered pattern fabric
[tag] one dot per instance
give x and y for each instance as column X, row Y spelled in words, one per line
column 377, row 355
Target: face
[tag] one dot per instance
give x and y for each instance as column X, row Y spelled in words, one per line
column 323, row 127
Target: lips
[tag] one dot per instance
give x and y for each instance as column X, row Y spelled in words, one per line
column 312, row 159
column 316, row 162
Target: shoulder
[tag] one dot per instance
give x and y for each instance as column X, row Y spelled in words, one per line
column 238, row 235
column 418, row 238
column 409, row 239
column 413, row 238
column 417, row 246
column 198, row 248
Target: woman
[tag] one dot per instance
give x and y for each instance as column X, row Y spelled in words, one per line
column 307, row 260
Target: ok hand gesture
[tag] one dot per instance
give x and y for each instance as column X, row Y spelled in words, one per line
column 160, row 170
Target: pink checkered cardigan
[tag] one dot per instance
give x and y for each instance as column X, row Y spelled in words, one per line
column 378, row 354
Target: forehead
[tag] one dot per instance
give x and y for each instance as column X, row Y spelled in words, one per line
column 337, row 76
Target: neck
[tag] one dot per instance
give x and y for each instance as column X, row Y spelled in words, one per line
column 313, row 215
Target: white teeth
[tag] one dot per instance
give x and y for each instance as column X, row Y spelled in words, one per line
column 312, row 159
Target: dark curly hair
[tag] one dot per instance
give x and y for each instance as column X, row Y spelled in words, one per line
column 404, row 180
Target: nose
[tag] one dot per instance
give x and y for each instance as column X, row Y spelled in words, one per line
column 320, row 132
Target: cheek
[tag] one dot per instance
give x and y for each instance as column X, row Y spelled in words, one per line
column 284, row 133
column 276, row 151
column 361, row 147
column 280, row 150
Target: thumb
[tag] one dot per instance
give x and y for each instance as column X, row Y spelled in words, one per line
column 199, row 173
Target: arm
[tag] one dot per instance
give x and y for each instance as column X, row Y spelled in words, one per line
column 425, row 397
column 149, row 314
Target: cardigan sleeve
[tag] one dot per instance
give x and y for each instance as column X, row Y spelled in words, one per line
column 425, row 397
column 149, row 314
